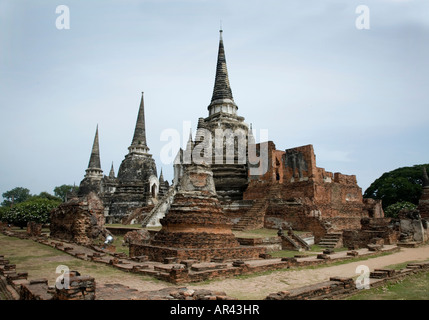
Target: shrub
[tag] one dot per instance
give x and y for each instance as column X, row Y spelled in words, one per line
column 393, row 210
column 35, row 209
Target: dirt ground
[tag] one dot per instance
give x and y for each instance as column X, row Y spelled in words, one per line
column 258, row 287
column 40, row 262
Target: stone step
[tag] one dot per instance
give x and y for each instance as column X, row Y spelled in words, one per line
column 331, row 246
column 332, row 236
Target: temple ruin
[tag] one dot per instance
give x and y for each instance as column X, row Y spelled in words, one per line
column 137, row 184
column 196, row 226
column 251, row 185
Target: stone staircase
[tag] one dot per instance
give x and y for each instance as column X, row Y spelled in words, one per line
column 159, row 210
column 292, row 241
column 332, row 240
column 254, row 218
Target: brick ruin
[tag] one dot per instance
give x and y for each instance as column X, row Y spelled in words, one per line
column 136, row 187
column 262, row 187
column 339, row 288
column 16, row 285
column 195, row 226
column 79, row 220
column 294, row 192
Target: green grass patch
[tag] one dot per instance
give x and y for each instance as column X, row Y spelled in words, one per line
column 256, row 233
column 41, row 261
column 414, row 287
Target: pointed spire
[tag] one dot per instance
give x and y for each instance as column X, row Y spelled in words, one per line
column 94, row 160
column 161, row 178
column 222, row 100
column 112, row 172
column 222, row 89
column 94, row 165
column 139, row 138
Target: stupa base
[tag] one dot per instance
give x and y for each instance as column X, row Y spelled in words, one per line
column 157, row 253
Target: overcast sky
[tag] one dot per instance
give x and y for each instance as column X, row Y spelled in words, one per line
column 301, row 69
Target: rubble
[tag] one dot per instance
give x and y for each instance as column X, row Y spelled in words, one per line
column 79, row 220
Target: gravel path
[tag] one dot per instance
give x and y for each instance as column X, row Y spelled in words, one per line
column 259, row 287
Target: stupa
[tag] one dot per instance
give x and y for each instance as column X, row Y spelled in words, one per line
column 195, row 227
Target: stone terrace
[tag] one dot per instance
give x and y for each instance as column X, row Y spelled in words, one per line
column 187, row 271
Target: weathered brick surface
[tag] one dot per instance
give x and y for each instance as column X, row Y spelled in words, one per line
column 195, row 227
column 301, row 195
column 79, row 220
column 371, row 228
column 80, row 288
column 34, row 229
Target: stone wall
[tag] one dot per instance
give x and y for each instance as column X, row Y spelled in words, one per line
column 80, row 220
column 304, row 196
column 157, row 253
column 195, row 226
column 371, row 228
column 79, row 288
column 411, row 224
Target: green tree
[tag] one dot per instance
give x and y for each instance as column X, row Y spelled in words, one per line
column 393, row 210
column 63, row 190
column 47, row 195
column 402, row 184
column 35, row 209
column 16, row 195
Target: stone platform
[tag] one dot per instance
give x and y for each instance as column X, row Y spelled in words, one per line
column 187, row 271
column 156, row 253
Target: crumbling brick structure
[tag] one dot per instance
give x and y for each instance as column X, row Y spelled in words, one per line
column 301, row 195
column 195, row 226
column 78, row 288
column 80, row 220
column 34, row 229
column 372, row 229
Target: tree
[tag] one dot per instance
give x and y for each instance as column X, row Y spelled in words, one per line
column 393, row 210
column 47, row 195
column 402, row 184
column 16, row 195
column 64, row 190
column 35, row 209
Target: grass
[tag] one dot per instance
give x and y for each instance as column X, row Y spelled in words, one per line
column 414, row 287
column 256, row 233
column 41, row 261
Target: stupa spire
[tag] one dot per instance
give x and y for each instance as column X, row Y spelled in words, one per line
column 94, row 165
column 222, row 99
column 112, row 171
column 94, row 160
column 222, row 88
column 139, row 139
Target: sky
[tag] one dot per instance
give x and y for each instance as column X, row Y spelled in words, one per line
column 352, row 83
